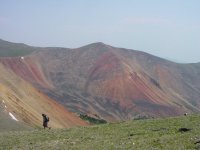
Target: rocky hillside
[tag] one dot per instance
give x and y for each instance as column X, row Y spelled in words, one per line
column 110, row 83
column 21, row 105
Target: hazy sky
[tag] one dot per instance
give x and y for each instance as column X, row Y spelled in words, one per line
column 166, row 28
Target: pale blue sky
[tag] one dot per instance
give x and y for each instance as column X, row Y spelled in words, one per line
column 166, row 28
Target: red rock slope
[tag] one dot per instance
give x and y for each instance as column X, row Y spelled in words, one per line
column 113, row 83
column 27, row 103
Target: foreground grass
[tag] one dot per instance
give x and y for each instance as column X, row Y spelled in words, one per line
column 151, row 134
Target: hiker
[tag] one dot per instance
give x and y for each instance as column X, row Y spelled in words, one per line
column 45, row 121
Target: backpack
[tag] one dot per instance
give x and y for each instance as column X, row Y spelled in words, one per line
column 47, row 118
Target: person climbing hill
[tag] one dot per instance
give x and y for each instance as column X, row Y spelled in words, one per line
column 45, row 121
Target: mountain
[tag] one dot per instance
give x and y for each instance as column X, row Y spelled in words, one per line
column 110, row 83
column 15, row 49
column 21, row 105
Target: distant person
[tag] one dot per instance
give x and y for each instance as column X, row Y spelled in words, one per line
column 45, row 121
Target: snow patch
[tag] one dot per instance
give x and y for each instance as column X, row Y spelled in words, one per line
column 12, row 116
column 22, row 58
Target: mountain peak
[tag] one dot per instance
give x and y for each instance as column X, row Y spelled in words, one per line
column 95, row 45
column 99, row 43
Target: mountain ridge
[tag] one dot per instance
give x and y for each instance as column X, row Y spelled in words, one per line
column 87, row 45
column 112, row 83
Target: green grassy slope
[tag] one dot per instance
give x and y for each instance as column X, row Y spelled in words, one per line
column 8, row 49
column 141, row 134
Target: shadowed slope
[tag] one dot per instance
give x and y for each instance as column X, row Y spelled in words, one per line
column 8, row 49
column 8, row 124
